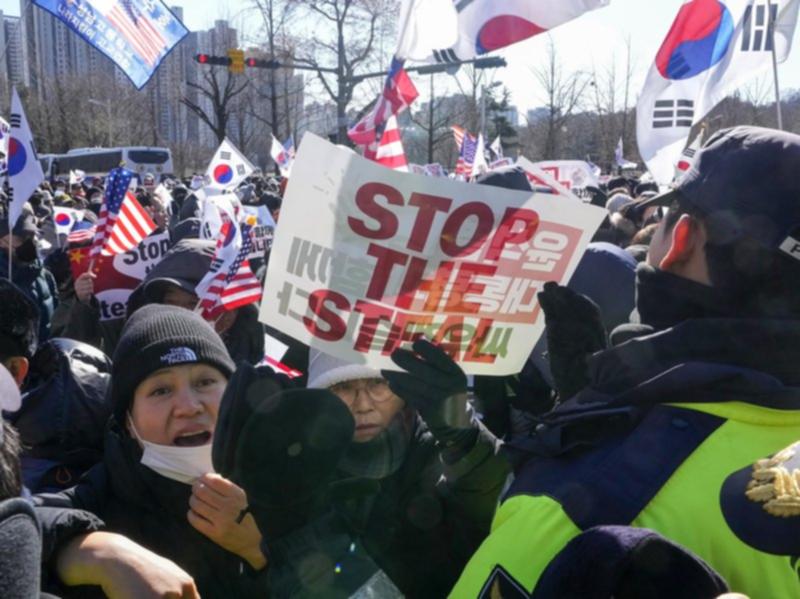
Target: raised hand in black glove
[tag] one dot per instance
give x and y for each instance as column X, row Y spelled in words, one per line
column 436, row 387
column 574, row 330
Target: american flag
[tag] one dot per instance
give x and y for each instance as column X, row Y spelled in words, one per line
column 466, row 158
column 123, row 223
column 234, row 284
column 137, row 29
column 458, row 135
column 398, row 94
column 389, row 150
column 81, row 233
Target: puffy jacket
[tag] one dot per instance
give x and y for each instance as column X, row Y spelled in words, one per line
column 63, row 415
column 150, row 509
column 37, row 283
column 668, row 418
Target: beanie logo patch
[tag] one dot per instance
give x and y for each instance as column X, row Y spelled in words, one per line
column 179, row 355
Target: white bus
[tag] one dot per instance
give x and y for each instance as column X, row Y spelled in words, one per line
column 99, row 161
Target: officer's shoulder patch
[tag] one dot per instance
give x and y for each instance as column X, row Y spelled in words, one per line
column 775, row 483
column 501, row 585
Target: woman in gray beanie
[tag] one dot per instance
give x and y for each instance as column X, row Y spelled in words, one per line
column 156, row 484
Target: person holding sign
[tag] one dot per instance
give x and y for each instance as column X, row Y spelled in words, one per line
column 409, row 494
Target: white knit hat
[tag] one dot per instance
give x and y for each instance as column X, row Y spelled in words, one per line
column 325, row 371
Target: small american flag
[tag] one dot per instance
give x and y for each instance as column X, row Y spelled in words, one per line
column 397, row 95
column 138, row 30
column 123, row 223
column 466, row 158
column 458, row 135
column 117, row 184
column 234, row 285
column 81, row 233
column 389, row 150
column 133, row 224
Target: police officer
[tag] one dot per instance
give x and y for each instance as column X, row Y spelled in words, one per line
column 708, row 387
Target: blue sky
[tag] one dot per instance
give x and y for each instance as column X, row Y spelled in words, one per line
column 597, row 39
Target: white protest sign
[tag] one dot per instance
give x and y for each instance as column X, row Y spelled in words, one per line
column 575, row 175
column 141, row 259
column 390, row 256
column 119, row 275
column 543, row 181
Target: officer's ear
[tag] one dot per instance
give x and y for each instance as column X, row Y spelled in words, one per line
column 18, row 366
column 686, row 256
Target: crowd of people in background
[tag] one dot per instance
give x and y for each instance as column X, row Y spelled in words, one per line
column 647, row 449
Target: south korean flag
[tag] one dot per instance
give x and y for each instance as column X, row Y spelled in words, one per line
column 712, row 48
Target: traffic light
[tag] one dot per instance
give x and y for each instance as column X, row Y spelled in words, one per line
column 262, row 63
column 214, row 60
column 237, row 61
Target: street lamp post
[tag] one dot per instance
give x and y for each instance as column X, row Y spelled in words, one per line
column 107, row 106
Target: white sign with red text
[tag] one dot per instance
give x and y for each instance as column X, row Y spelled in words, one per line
column 389, row 257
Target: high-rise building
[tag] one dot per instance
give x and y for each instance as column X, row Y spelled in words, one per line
column 11, row 67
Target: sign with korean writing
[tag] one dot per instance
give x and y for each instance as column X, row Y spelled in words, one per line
column 388, row 257
column 136, row 34
column 117, row 276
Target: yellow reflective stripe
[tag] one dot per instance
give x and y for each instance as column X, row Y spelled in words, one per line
column 687, row 509
column 527, row 533
column 746, row 412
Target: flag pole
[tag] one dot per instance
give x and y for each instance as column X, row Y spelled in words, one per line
column 773, row 20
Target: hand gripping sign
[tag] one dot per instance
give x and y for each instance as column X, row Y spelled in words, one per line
column 367, row 259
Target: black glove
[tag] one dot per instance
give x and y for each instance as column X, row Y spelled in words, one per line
column 432, row 385
column 287, row 455
column 247, row 389
column 574, row 330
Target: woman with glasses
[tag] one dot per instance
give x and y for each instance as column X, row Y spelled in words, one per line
column 429, row 475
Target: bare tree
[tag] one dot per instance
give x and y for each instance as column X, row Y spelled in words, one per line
column 220, row 90
column 344, row 41
column 563, row 95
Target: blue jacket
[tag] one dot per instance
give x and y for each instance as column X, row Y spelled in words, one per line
column 39, row 284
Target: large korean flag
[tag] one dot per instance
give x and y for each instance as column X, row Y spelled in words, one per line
column 711, row 49
column 24, row 170
column 470, row 28
column 228, row 167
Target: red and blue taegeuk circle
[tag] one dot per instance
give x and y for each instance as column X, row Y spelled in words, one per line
column 17, row 157
column 63, row 219
column 504, row 30
column 223, row 173
column 229, row 230
column 699, row 39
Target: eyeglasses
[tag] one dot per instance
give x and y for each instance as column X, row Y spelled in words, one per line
column 377, row 389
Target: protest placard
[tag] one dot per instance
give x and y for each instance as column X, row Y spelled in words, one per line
column 575, row 175
column 117, row 276
column 367, row 259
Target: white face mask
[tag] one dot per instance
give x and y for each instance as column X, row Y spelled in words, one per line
column 183, row 464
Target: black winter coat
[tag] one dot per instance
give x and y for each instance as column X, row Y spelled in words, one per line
column 420, row 526
column 150, row 509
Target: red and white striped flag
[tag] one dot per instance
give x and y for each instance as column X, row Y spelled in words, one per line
column 137, row 30
column 230, row 283
column 389, row 150
column 458, row 135
column 131, row 225
column 397, row 95
column 79, row 236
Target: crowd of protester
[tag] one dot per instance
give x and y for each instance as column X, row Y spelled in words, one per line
column 646, row 449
